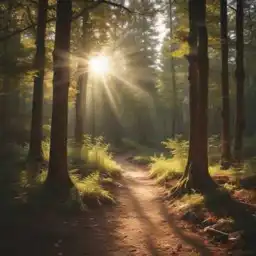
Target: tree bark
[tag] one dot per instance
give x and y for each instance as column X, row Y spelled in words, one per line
column 6, row 82
column 36, row 133
column 173, row 73
column 82, row 84
column 203, row 68
column 58, row 177
column 225, row 139
column 240, row 120
column 196, row 175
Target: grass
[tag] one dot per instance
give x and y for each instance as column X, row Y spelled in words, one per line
column 91, row 187
column 97, row 156
column 167, row 168
column 92, row 182
column 164, row 169
column 142, row 160
column 142, row 155
column 87, row 190
column 230, row 209
column 188, row 202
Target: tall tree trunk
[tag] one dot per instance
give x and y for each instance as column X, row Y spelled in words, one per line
column 95, row 83
column 174, row 99
column 225, row 139
column 58, row 176
column 36, row 133
column 240, row 121
column 203, row 68
column 173, row 73
column 6, row 86
column 82, row 84
column 196, row 175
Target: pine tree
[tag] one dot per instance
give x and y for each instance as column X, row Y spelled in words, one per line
column 196, row 175
column 36, row 133
column 225, row 140
column 58, row 177
column 240, row 121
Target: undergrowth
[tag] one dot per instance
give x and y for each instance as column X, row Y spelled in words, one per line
column 21, row 186
column 188, row 202
column 142, row 154
column 96, row 155
column 167, row 168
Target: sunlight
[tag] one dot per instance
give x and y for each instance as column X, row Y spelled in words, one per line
column 99, row 65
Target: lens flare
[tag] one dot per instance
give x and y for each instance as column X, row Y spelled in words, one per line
column 99, row 65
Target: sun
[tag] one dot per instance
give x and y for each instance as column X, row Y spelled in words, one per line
column 99, row 64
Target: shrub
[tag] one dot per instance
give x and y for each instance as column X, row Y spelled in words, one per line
column 29, row 189
column 91, row 188
column 177, row 147
column 97, row 156
column 26, row 186
column 164, row 169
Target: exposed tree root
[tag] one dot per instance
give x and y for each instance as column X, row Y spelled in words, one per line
column 189, row 184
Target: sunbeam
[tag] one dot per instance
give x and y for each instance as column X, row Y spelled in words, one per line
column 99, row 65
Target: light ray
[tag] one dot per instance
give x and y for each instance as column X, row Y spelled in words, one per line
column 99, row 65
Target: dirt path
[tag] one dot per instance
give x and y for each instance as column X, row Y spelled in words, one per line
column 143, row 225
column 138, row 225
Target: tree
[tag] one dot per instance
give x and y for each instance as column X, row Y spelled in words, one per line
column 82, row 82
column 239, row 122
column 225, row 139
column 58, row 176
column 6, row 84
column 143, row 38
column 196, row 175
column 36, row 133
column 173, row 71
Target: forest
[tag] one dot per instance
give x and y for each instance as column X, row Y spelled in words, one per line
column 127, row 127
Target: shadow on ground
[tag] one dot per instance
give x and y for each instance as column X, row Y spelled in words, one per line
column 140, row 224
column 151, row 230
column 40, row 231
column 222, row 204
column 50, row 233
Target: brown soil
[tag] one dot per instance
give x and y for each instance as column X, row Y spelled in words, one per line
column 140, row 224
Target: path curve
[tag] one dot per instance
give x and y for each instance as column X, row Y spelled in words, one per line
column 138, row 225
column 143, row 225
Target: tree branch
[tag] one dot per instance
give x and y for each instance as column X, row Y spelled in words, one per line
column 117, row 5
column 33, row 25
column 232, row 8
column 79, row 14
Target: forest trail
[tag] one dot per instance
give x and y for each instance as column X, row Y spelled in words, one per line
column 139, row 224
column 143, row 225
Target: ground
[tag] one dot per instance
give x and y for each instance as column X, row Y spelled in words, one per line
column 139, row 224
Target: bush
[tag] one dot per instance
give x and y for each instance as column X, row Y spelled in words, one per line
column 30, row 190
column 177, row 147
column 164, row 169
column 24, row 186
column 91, row 188
column 96, row 155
